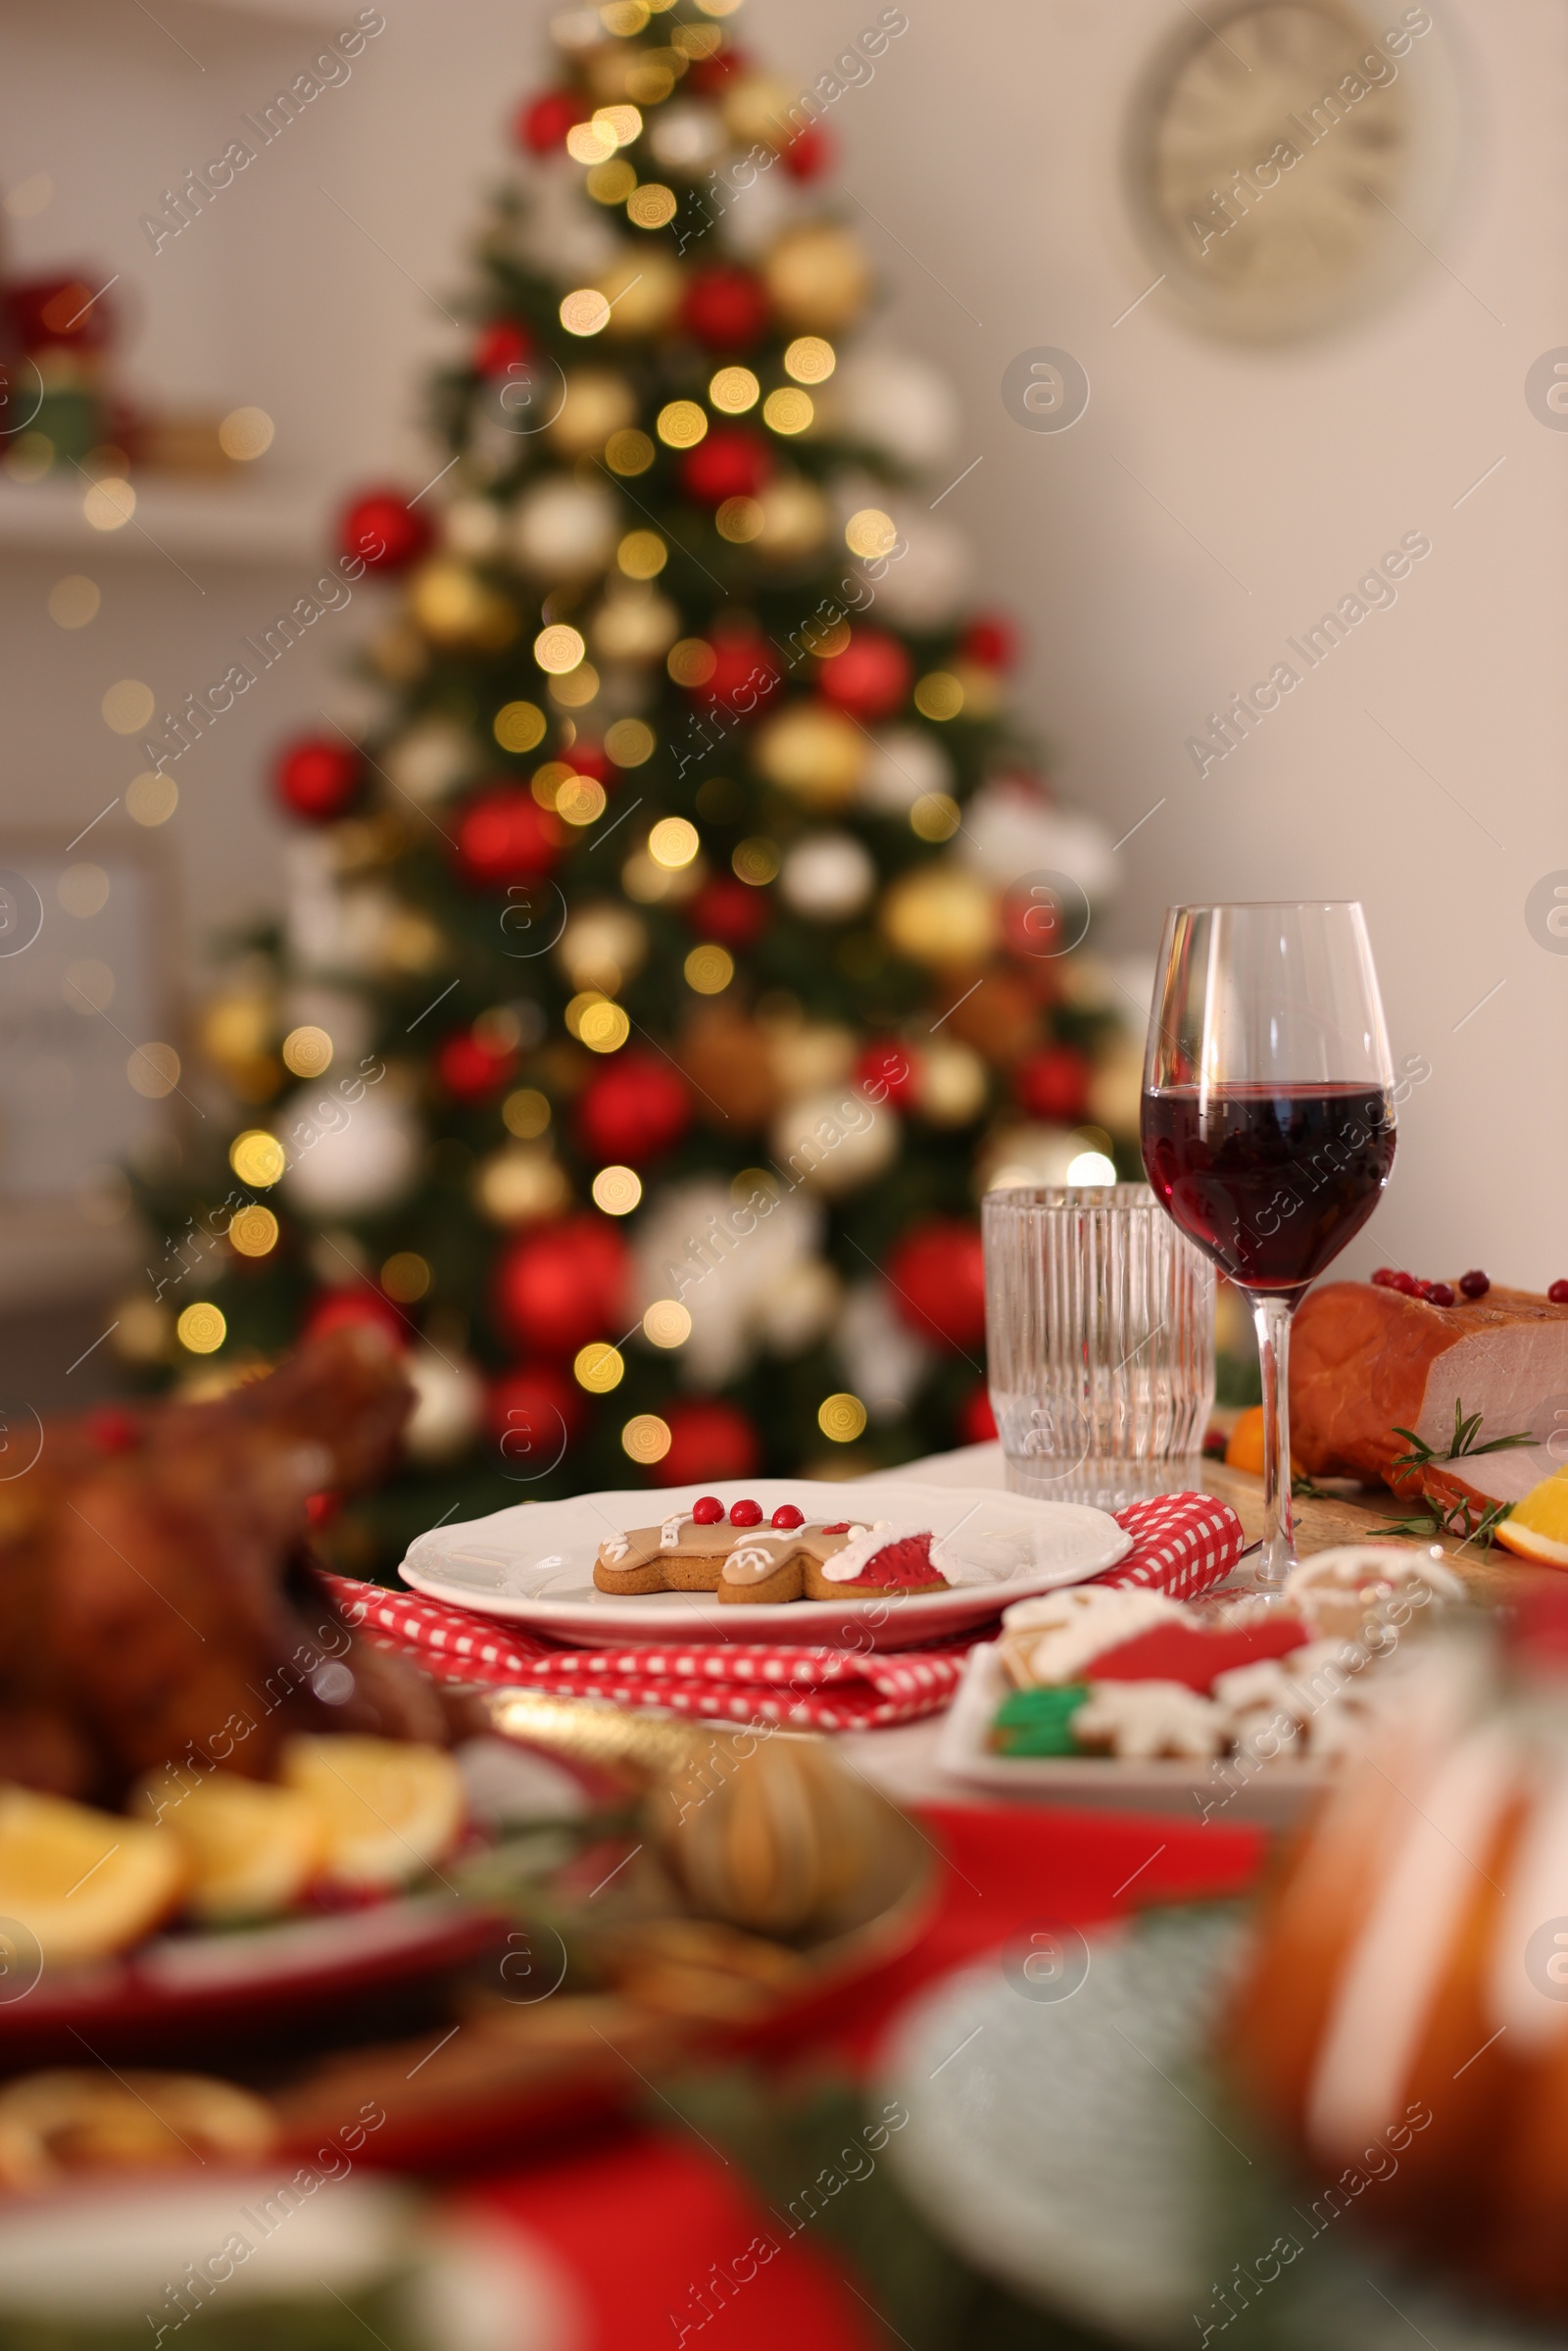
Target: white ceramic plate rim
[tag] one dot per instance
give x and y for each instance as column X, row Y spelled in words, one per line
column 1094, row 1540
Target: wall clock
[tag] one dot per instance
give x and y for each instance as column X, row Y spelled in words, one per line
column 1286, row 161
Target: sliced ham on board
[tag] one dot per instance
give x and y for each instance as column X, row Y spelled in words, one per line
column 1366, row 1361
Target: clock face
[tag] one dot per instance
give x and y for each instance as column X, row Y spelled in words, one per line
column 1272, row 160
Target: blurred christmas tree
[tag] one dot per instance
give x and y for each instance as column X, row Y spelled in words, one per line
column 686, row 947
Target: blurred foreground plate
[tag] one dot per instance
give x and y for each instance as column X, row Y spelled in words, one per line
column 1067, row 2134
column 534, row 1564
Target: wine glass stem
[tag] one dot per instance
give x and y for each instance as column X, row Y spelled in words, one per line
column 1271, row 1317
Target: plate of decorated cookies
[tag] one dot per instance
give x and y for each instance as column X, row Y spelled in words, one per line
column 768, row 1559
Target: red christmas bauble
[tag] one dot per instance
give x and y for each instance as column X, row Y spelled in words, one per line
column 707, row 1438
column 937, row 1274
column 1034, row 924
column 502, row 345
column 729, row 910
column 708, row 74
column 471, row 1070
column 808, row 154
column 358, row 1308
column 977, row 1423
column 732, row 462
column 888, row 1072
column 634, row 1108
column 316, row 779
column 590, row 759
column 745, row 673
column 532, row 1413
column 557, row 1289
column 503, row 836
column 1054, row 1084
column 991, row 641
column 724, row 308
column 380, row 527
column 871, row 678
column 541, row 123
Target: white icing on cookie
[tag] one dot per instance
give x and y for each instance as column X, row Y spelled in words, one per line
column 1144, row 1719
column 669, row 1534
column 756, row 1556
column 613, row 1550
column 1080, row 1623
column 862, row 1547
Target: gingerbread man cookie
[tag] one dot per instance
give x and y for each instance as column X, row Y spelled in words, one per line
column 748, row 1564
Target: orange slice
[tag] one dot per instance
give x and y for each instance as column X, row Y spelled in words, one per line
column 1537, row 1527
column 83, row 1884
column 252, row 1848
column 1245, row 1447
column 390, row 1806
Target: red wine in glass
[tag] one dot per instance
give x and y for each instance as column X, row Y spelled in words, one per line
column 1268, row 1123
column 1270, row 1182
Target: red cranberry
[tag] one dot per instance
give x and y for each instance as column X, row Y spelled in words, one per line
column 1559, row 1293
column 1385, row 1277
column 706, row 1510
column 746, row 1514
column 1438, row 1293
column 1406, row 1284
column 1421, row 1289
column 786, row 1515
column 1475, row 1285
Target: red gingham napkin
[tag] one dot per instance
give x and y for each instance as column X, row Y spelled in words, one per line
column 1183, row 1544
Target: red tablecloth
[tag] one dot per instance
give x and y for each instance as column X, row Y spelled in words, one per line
column 638, row 2219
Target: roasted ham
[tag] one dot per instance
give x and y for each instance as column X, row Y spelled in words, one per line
column 1366, row 1363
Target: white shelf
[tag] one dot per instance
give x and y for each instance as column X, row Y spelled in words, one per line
column 242, row 522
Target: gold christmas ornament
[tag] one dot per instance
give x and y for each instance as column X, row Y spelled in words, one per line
column 835, row 1141
column 756, row 111
column 602, row 948
column 470, row 528
column 941, row 915
column 520, row 1183
column 953, row 1085
column 634, row 624
column 810, row 1056
column 455, row 608
column 643, row 294
column 814, row 752
column 796, row 519
column 818, row 278
column 236, row 1029
column 599, row 402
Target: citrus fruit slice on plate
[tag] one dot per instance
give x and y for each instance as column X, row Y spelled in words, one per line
column 390, row 1807
column 83, row 1884
column 1537, row 1527
column 252, row 1848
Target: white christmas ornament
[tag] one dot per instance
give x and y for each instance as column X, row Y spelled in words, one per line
column 883, row 1361
column 470, row 527
column 897, row 404
column 687, row 136
column 756, row 216
column 429, row 758
column 800, row 1307
column 926, row 585
column 448, row 1402
column 907, row 763
column 347, row 1159
column 563, row 529
column 560, row 237
column 835, row 1141
column 1010, row 829
column 724, row 1263
column 953, row 1083
column 827, row 877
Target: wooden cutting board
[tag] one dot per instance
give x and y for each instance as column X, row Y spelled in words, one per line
column 1349, row 1513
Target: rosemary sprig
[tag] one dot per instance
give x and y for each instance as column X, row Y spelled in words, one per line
column 1466, row 1431
column 1436, row 1521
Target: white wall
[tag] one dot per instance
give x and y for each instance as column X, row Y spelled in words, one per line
column 986, row 147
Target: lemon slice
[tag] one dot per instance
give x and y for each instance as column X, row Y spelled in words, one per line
column 1537, row 1527
column 252, row 1848
column 390, row 1807
column 83, row 1883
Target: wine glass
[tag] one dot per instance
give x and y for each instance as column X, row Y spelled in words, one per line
column 1268, row 1124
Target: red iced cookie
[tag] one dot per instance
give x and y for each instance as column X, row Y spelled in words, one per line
column 905, row 1560
column 1194, row 1655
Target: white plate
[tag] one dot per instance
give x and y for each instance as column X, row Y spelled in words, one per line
column 534, row 1564
column 1272, row 1793
column 1079, row 2148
